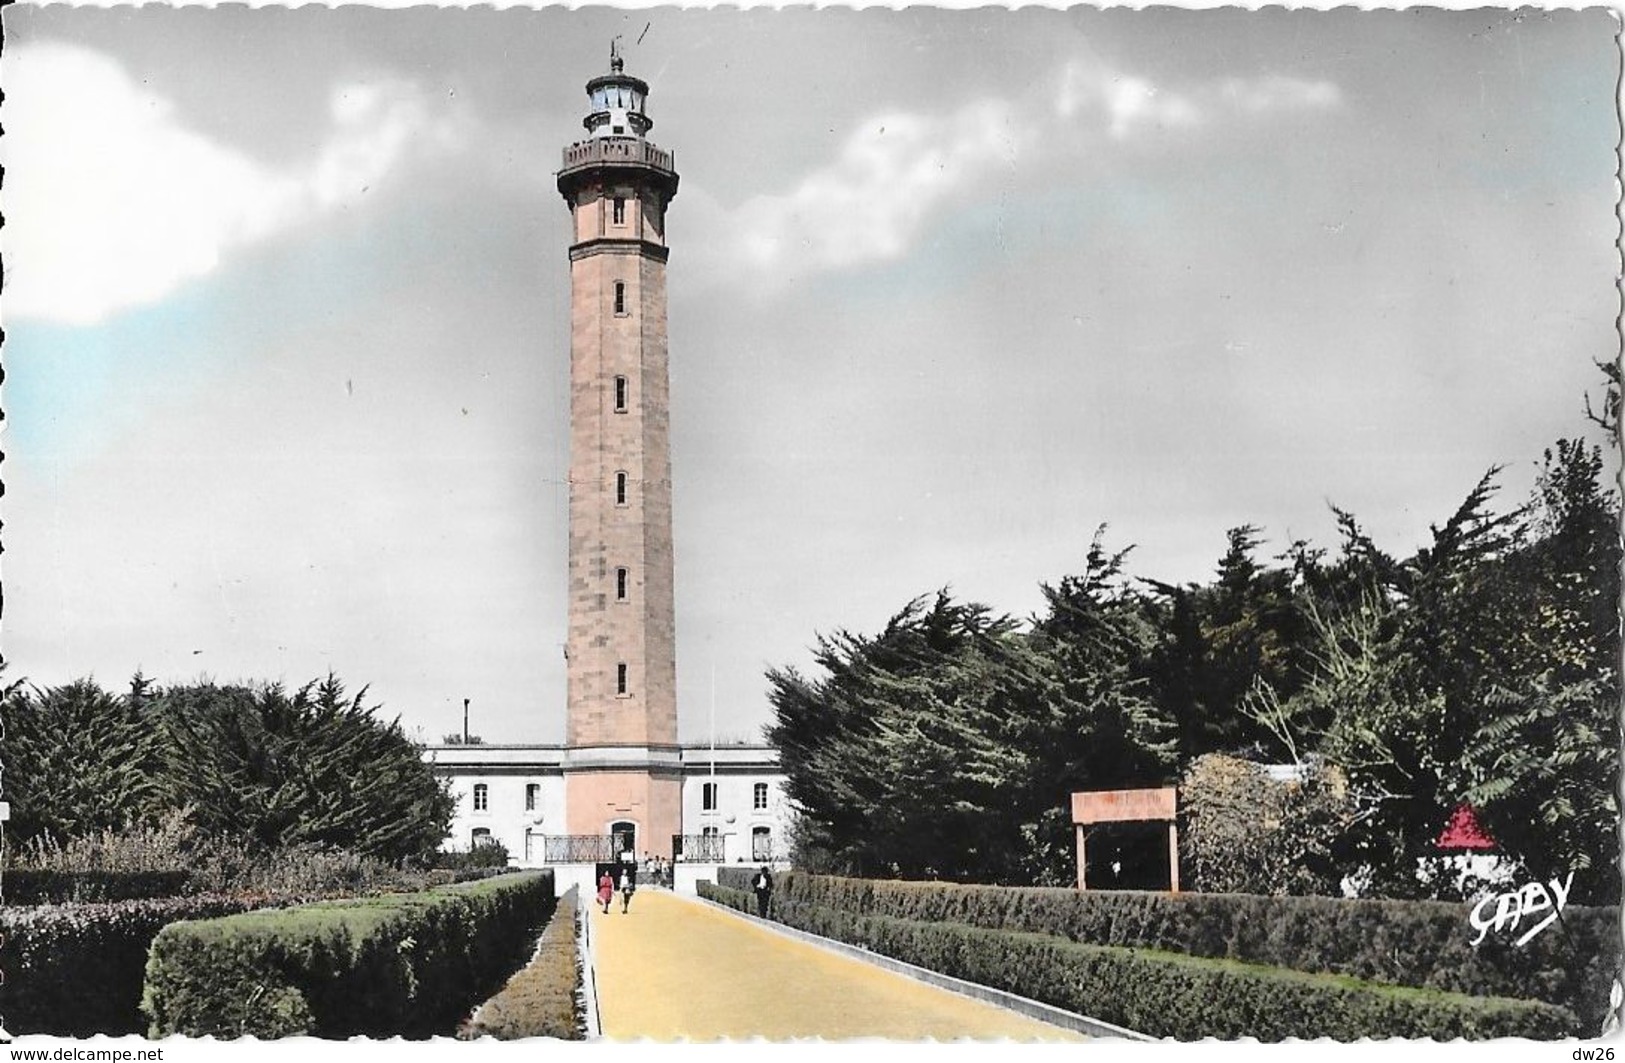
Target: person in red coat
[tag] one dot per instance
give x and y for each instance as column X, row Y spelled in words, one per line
column 606, row 891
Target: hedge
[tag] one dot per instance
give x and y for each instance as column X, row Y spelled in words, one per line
column 543, row 1000
column 446, row 876
column 411, row 964
column 1166, row 994
column 75, row 970
column 28, row 886
column 1424, row 944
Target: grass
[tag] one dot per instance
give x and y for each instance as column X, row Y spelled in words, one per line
column 540, row 1000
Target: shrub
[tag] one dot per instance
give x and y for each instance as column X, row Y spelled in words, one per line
column 409, row 964
column 75, row 970
column 297, row 869
column 543, row 1000
column 169, row 844
column 1424, row 944
column 738, row 878
column 1244, row 832
column 1170, row 995
column 30, row 886
column 486, row 854
column 193, row 862
column 445, row 876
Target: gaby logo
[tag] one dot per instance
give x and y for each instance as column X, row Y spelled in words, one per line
column 1507, row 910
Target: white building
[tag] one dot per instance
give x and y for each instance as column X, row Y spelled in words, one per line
column 733, row 806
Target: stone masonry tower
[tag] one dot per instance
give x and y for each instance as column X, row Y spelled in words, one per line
column 621, row 759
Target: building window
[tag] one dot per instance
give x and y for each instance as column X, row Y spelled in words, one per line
column 758, row 797
column 532, row 791
column 620, row 210
column 621, row 390
column 708, row 832
column 482, row 797
column 620, row 678
column 620, row 489
column 761, row 845
column 620, row 299
column 620, row 585
column 480, row 836
column 708, row 797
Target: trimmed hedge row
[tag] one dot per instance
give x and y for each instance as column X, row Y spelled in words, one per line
column 543, row 1000
column 1425, row 944
column 447, row 876
column 411, row 964
column 76, row 970
column 1166, row 994
column 29, row 886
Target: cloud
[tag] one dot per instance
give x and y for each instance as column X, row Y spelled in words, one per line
column 1277, row 93
column 111, row 202
column 891, row 176
column 1128, row 104
column 897, row 173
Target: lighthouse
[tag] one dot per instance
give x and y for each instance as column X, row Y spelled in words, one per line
column 620, row 783
column 622, row 763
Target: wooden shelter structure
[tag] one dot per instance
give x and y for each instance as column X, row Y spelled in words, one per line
column 1126, row 806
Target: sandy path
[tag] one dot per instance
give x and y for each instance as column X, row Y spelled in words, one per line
column 674, row 968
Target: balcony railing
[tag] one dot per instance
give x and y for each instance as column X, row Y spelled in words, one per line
column 578, row 848
column 616, row 149
column 697, row 848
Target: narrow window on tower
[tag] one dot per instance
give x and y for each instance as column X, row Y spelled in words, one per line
column 620, row 586
column 620, row 298
column 620, row 679
column 620, row 210
column 708, row 797
column 620, row 489
column 620, row 394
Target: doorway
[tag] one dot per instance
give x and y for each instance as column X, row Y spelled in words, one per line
column 625, row 835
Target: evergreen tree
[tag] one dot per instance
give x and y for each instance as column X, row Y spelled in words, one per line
column 949, row 744
column 315, row 767
column 78, row 760
column 1217, row 644
column 1097, row 724
column 897, row 760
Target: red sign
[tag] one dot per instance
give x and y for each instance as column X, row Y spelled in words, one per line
column 1123, row 806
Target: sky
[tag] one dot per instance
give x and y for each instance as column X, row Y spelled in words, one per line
column 287, row 348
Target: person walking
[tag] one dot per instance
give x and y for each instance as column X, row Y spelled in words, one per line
column 606, row 891
column 628, row 884
column 763, row 885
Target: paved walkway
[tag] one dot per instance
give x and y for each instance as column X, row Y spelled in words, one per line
column 674, row 968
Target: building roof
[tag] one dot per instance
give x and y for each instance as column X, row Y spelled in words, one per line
column 556, row 758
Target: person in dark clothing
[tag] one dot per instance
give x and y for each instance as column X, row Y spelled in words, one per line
column 763, row 885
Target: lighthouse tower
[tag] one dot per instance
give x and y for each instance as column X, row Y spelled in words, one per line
column 621, row 761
